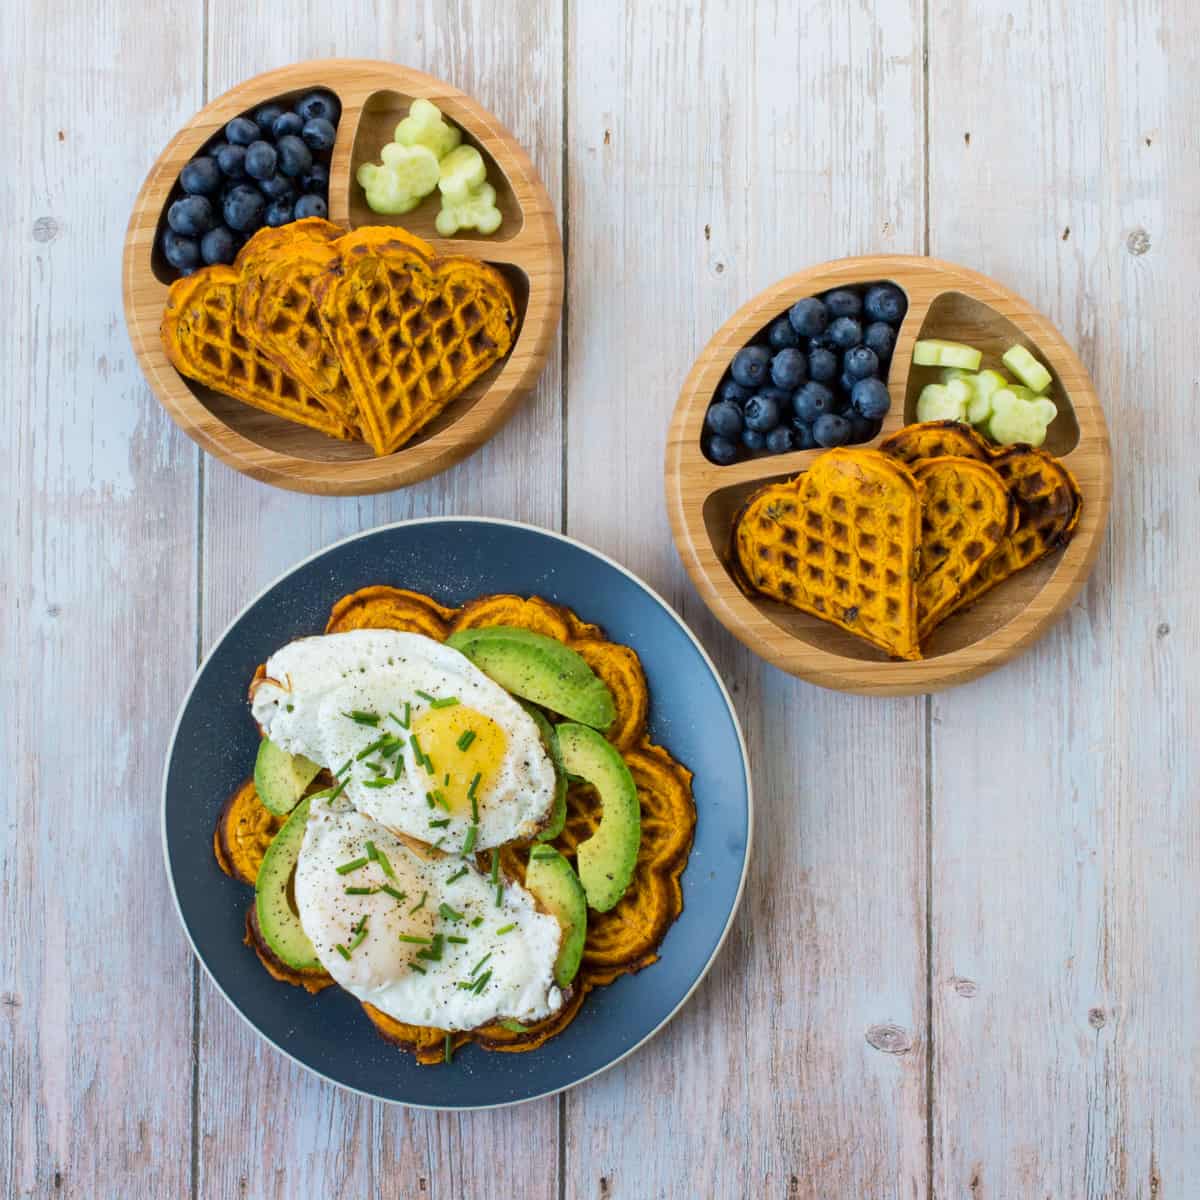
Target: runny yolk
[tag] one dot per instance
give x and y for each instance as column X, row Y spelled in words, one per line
column 441, row 732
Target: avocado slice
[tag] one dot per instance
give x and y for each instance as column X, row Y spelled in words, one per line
column 280, row 778
column 540, row 669
column 553, row 881
column 606, row 860
column 274, row 897
column 550, row 740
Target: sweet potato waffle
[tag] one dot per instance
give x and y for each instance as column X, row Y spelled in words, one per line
column 620, row 941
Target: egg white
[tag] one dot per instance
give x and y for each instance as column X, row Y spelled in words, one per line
column 312, row 685
column 443, row 897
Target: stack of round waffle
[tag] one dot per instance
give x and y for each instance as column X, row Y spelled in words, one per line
column 886, row 544
column 364, row 336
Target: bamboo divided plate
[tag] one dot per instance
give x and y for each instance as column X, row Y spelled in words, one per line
column 944, row 301
column 527, row 249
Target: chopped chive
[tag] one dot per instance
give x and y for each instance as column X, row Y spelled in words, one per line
column 495, row 866
column 417, row 967
column 447, row 913
column 337, row 791
column 291, row 708
column 457, row 875
column 362, row 718
column 458, row 941
column 344, row 768
column 476, row 922
column 370, row 749
column 420, row 904
column 499, row 895
column 474, row 785
column 505, row 929
column 377, row 767
column 429, row 765
column 391, row 891
column 447, row 702
column 360, row 891
column 440, row 798
column 467, row 984
column 433, row 952
column 480, row 963
column 382, row 782
column 343, row 951
column 424, row 695
column 438, row 844
column 482, row 981
column 413, row 940
column 472, row 834
column 407, row 713
column 352, row 865
column 446, row 779
column 467, row 737
column 372, row 852
column 449, row 1050
column 474, row 810
column 358, row 937
column 385, row 864
column 439, row 824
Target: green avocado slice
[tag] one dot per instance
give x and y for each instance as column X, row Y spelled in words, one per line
column 550, row 740
column 274, row 897
column 553, row 881
column 540, row 669
column 605, row 860
column 280, row 778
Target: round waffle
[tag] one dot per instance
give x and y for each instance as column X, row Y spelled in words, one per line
column 244, row 830
column 620, row 941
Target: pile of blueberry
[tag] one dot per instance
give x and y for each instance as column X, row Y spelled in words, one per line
column 266, row 169
column 817, row 381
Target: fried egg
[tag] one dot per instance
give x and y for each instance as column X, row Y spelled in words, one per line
column 427, row 940
column 424, row 742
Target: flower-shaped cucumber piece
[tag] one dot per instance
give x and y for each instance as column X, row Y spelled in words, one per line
column 415, row 167
column 461, row 173
column 944, row 401
column 425, row 126
column 983, row 385
column 1020, row 416
column 383, row 191
column 476, row 211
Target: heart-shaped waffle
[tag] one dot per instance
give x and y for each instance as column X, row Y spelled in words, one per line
column 840, row 542
column 412, row 331
column 966, row 513
column 200, row 336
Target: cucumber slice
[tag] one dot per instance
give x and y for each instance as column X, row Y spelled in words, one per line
column 938, row 403
column 984, row 385
column 1026, row 368
column 934, row 352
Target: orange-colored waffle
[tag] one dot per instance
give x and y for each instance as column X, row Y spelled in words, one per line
column 245, row 828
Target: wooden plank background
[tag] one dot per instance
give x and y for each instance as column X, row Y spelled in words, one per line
column 966, row 964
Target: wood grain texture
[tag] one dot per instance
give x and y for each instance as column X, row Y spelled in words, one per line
column 98, row 595
column 372, row 94
column 945, row 300
column 711, row 151
column 1065, row 921
column 337, row 1144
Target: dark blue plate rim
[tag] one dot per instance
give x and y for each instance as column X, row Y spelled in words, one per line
column 674, row 616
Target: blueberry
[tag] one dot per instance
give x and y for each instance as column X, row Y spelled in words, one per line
column 260, row 160
column 781, row 334
column 753, row 440
column 279, row 213
column 802, row 434
column 845, row 387
column 779, row 440
column 861, row 430
column 287, row 124
column 724, row 419
column 733, row 391
column 845, row 333
column 843, row 303
column 789, row 369
column 885, row 302
column 322, row 105
column 244, row 207
column 861, row 362
column 200, row 177
column 722, row 451
column 311, row 206
column 278, row 187
column 812, row 401
column 266, row 116
column 191, row 216
column 218, row 245
column 180, row 251
column 749, row 366
column 871, row 399
column 762, row 413
column 881, row 338
column 831, row 430
column 241, row 131
column 316, row 179
column 232, row 161
column 809, row 317
column 294, row 156
column 822, row 364
column 318, row 134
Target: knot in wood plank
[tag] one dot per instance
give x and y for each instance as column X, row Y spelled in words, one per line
column 889, row 1039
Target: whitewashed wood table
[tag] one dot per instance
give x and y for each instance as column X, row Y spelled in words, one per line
column 967, row 962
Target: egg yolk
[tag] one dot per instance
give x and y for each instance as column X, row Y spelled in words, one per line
column 462, row 743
